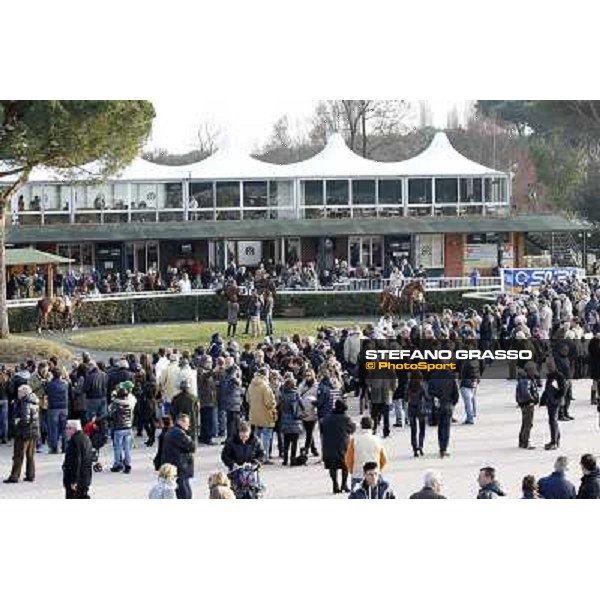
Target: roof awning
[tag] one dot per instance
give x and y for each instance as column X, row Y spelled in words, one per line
column 30, row 256
column 272, row 229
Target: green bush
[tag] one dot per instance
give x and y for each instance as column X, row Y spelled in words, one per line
column 213, row 307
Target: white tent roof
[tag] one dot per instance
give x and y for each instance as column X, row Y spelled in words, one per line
column 233, row 163
column 139, row 170
column 143, row 170
column 440, row 159
column 337, row 160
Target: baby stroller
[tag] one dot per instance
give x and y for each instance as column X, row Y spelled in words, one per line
column 97, row 431
column 245, row 482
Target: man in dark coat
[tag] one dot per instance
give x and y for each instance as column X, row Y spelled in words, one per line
column 243, row 447
column 231, row 396
column 77, row 466
column 443, row 388
column 95, row 388
column 336, row 430
column 432, row 486
column 178, row 450
column 187, row 404
column 119, row 375
column 594, row 362
column 590, row 482
column 553, row 396
column 556, row 486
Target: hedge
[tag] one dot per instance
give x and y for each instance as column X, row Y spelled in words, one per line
column 213, row 307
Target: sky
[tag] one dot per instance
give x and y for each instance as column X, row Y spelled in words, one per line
column 247, row 121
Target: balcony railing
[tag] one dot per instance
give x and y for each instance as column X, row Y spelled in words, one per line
column 83, row 216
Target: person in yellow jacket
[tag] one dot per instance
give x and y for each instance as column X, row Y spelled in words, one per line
column 263, row 409
column 364, row 447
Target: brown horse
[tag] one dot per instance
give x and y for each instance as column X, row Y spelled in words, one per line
column 58, row 311
column 411, row 299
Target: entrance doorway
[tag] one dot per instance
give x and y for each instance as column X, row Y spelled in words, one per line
column 142, row 256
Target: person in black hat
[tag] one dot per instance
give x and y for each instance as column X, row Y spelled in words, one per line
column 336, row 430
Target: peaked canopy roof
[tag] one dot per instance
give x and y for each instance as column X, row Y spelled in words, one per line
column 230, row 162
column 336, row 160
column 441, row 158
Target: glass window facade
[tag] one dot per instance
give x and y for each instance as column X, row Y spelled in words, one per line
column 390, row 191
column 446, row 191
column 312, row 192
column 363, row 192
column 385, row 197
column 337, row 192
column 419, row 191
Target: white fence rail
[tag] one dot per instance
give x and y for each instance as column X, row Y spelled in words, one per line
column 432, row 284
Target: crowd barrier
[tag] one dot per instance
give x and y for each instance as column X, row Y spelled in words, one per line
column 433, row 284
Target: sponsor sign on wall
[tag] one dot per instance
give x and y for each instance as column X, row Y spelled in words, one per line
column 480, row 256
column 249, row 254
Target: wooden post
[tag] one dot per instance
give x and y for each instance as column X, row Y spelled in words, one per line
column 50, row 280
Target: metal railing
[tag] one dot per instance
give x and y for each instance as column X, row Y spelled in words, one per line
column 432, row 284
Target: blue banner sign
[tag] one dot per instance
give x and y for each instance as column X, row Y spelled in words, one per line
column 517, row 279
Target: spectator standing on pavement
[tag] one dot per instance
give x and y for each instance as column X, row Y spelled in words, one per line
column 77, row 465
column 308, row 403
column 444, row 391
column 336, row 430
column 207, row 396
column 364, row 447
column 185, row 402
column 263, row 409
column 416, row 395
column 290, row 420
column 552, row 397
column 527, row 396
column 27, row 429
column 178, row 450
column 56, row 390
column 121, row 412
column 233, row 313
column 269, row 305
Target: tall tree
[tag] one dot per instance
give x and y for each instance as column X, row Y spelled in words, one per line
column 208, row 138
column 65, row 134
column 358, row 121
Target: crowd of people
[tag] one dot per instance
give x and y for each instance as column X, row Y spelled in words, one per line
column 189, row 276
column 287, row 398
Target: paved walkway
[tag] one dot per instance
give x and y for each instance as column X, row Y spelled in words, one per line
column 492, row 441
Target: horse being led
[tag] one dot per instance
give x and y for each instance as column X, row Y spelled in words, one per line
column 410, row 299
column 60, row 311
